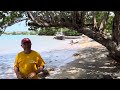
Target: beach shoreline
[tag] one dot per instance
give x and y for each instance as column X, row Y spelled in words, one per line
column 79, row 47
column 90, row 62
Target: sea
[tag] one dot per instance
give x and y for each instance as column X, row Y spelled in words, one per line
column 49, row 48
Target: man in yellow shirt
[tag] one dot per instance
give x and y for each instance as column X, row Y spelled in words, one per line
column 28, row 63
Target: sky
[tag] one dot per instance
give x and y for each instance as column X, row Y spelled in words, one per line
column 21, row 26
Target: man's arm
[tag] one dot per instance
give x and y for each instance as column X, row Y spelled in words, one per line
column 40, row 69
column 18, row 74
column 16, row 69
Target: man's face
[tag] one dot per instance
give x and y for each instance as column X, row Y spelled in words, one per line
column 26, row 46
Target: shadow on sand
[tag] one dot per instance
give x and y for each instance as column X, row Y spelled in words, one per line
column 90, row 63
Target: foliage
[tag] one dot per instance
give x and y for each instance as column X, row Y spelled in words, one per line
column 94, row 24
column 47, row 31
column 109, row 25
column 69, row 32
column 21, row 33
column 52, row 31
column 8, row 18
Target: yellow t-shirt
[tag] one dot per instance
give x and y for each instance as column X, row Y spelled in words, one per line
column 28, row 63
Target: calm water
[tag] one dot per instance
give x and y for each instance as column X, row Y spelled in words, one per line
column 48, row 47
column 11, row 43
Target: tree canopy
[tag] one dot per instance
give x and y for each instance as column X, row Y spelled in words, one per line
column 102, row 26
column 8, row 18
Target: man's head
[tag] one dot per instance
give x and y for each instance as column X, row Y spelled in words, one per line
column 25, row 40
column 26, row 44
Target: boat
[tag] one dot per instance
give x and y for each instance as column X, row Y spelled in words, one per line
column 59, row 36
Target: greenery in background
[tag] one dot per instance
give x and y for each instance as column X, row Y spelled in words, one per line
column 108, row 28
column 99, row 15
column 69, row 32
column 52, row 31
column 46, row 31
column 21, row 33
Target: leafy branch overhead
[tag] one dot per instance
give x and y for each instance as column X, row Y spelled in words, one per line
column 8, row 18
column 102, row 26
column 91, row 23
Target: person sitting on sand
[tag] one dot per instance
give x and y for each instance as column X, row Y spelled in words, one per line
column 28, row 63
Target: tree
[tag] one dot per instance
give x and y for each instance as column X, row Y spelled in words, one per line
column 94, row 24
column 8, row 18
column 98, row 25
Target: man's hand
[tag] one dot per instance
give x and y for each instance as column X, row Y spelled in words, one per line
column 31, row 75
column 40, row 69
column 19, row 75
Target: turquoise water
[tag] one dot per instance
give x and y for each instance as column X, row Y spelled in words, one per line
column 49, row 48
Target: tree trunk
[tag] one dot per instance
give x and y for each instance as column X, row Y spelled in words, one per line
column 113, row 45
column 114, row 52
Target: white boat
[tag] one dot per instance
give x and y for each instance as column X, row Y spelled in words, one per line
column 59, row 35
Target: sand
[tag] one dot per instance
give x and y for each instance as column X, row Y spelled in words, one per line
column 90, row 62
